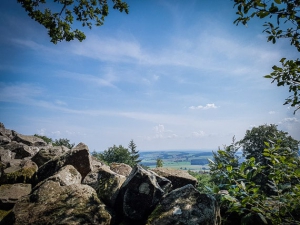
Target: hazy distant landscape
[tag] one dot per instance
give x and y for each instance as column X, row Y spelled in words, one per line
column 185, row 160
column 196, row 160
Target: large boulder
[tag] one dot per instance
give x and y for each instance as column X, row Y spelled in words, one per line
column 52, row 203
column 6, row 155
column 106, row 183
column 178, row 178
column 20, row 150
column 4, row 140
column 45, row 154
column 121, row 168
column 67, row 175
column 29, row 140
column 140, row 193
column 186, row 205
column 19, row 171
column 78, row 157
column 11, row 193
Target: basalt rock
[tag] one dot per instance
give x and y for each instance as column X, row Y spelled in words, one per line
column 19, row 171
column 140, row 193
column 29, row 140
column 11, row 193
column 52, row 203
column 121, row 168
column 20, row 150
column 186, row 205
column 42, row 184
column 46, row 154
column 178, row 178
column 106, row 183
column 78, row 157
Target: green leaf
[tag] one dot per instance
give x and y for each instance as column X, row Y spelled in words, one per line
column 262, row 218
column 230, row 198
column 277, row 1
column 229, row 168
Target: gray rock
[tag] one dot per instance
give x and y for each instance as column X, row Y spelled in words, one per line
column 178, row 178
column 45, row 154
column 11, row 193
column 19, row 171
column 106, row 183
column 52, row 203
column 121, row 168
column 4, row 140
column 78, row 157
column 140, row 193
column 6, row 155
column 67, row 175
column 21, row 150
column 29, row 140
column 186, row 205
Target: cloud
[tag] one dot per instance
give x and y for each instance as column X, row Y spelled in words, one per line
column 107, row 80
column 58, row 102
column 109, row 49
column 207, row 106
column 290, row 120
column 19, row 93
column 272, row 112
column 198, row 133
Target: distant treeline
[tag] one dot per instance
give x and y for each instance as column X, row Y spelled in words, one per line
column 199, row 161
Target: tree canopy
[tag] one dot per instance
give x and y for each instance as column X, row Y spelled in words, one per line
column 254, row 141
column 120, row 154
column 58, row 17
column 282, row 21
column 265, row 187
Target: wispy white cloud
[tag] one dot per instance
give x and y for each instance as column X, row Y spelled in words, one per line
column 198, row 133
column 20, row 93
column 207, row 106
column 272, row 112
column 105, row 80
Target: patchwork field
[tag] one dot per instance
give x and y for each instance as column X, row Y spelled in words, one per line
column 184, row 160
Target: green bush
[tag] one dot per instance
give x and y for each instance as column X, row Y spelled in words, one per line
column 248, row 198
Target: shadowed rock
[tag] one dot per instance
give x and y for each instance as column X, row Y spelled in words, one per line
column 19, row 171
column 45, row 154
column 29, row 140
column 11, row 193
column 140, row 193
column 178, row 178
column 78, row 157
column 19, row 149
column 186, row 205
column 106, row 183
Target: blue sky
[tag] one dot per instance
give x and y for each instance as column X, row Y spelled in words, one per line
column 169, row 75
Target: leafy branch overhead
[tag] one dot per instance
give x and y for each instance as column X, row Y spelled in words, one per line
column 282, row 21
column 58, row 19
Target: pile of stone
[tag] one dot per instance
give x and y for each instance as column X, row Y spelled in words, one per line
column 43, row 184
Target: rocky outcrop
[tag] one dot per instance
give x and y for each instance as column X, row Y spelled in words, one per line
column 29, row 140
column 46, row 154
column 186, row 206
column 52, row 203
column 140, row 193
column 19, row 171
column 78, row 157
column 121, row 168
column 178, row 178
column 106, row 183
column 42, row 184
column 11, row 193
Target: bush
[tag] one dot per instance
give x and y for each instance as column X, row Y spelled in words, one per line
column 248, row 198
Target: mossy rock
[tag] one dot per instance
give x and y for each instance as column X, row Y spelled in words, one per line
column 22, row 175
